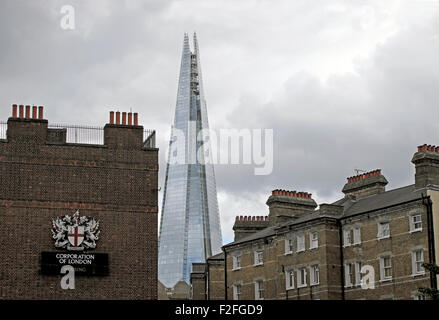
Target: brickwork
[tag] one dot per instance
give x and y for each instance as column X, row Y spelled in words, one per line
column 42, row 178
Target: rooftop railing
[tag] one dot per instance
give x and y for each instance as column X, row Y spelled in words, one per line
column 86, row 134
column 3, row 128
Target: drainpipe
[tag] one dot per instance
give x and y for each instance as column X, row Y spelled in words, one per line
column 225, row 273
column 431, row 249
column 340, row 236
column 207, row 279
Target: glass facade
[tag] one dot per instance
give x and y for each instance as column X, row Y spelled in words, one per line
column 190, row 228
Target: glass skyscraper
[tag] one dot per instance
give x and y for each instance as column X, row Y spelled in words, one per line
column 190, row 228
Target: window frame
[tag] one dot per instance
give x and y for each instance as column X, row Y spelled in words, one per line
column 289, row 249
column 236, row 257
column 289, row 279
column 380, row 234
column 312, row 241
column 302, row 242
column 313, row 271
column 413, row 223
column 256, row 255
column 356, row 236
column 237, row 294
column 301, row 278
column 347, row 236
column 415, row 262
column 383, row 268
column 258, row 290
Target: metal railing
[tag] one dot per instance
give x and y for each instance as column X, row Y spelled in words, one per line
column 3, row 128
column 86, row 134
column 81, row 134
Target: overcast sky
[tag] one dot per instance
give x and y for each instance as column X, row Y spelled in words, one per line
column 344, row 84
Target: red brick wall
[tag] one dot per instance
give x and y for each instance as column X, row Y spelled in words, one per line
column 112, row 183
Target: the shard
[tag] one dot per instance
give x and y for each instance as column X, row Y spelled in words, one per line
column 190, row 228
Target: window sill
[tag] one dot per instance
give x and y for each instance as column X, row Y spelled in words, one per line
column 288, row 253
column 314, row 284
column 289, row 288
column 346, row 245
column 236, row 269
column 257, row 265
column 386, row 280
column 382, row 238
column 298, row 251
column 313, row 248
column 418, row 274
column 357, row 244
column 415, row 230
column 302, row 286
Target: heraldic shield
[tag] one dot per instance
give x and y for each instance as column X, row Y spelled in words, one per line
column 75, row 235
column 75, row 232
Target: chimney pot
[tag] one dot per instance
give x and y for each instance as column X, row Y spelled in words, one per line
column 130, row 119
column 14, row 111
column 124, row 118
column 111, row 117
column 136, row 122
column 27, row 111
column 40, row 112
column 117, row 117
column 34, row 112
column 21, row 111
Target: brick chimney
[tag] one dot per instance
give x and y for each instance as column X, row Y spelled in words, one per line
column 246, row 225
column 426, row 162
column 365, row 184
column 123, row 132
column 27, row 124
column 284, row 205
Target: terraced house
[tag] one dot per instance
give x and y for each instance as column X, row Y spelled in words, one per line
column 370, row 244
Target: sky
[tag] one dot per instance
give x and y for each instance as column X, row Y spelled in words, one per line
column 344, row 85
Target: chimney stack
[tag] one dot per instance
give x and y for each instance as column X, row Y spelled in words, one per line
column 365, row 184
column 247, row 225
column 284, row 205
column 426, row 161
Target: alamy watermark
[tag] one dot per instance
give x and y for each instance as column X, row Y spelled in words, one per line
column 68, row 19
column 225, row 146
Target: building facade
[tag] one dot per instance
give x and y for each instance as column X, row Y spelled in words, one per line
column 370, row 244
column 90, row 204
column 190, row 228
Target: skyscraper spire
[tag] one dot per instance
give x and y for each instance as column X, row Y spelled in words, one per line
column 190, row 228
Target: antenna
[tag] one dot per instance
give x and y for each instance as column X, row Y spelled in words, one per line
column 358, row 171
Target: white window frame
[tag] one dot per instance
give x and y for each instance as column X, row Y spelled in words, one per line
column 413, row 223
column 348, row 274
column 383, row 268
column 258, row 257
column 236, row 259
column 356, row 236
column 313, row 241
column 314, row 275
column 289, row 246
column 301, row 277
column 258, row 284
column 237, row 293
column 347, row 238
column 289, row 279
column 415, row 262
column 381, row 229
column 300, row 243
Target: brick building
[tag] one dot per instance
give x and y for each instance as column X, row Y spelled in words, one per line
column 44, row 176
column 372, row 236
